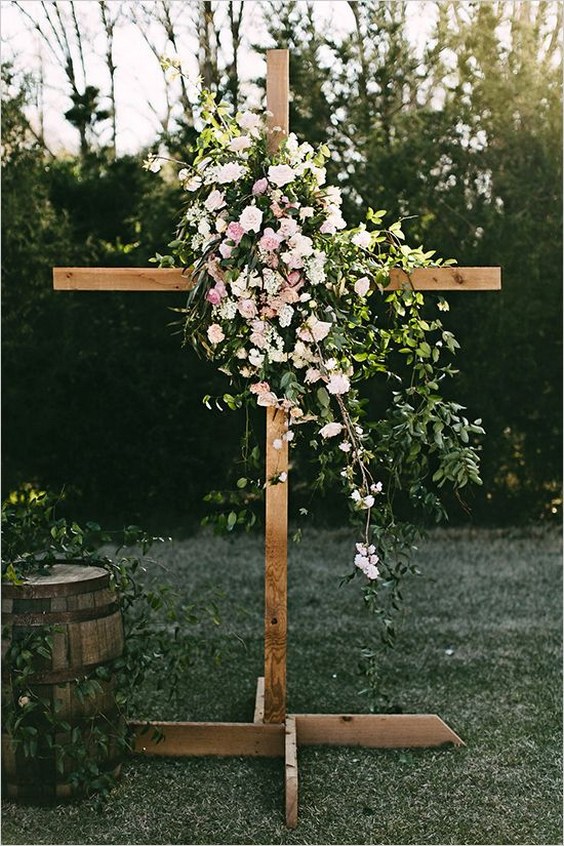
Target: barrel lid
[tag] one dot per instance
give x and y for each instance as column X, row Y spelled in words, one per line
column 59, row 580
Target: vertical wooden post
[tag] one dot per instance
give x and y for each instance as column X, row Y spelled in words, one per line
column 276, row 532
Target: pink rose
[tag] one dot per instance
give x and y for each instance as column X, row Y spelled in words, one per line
column 294, row 278
column 220, row 288
column 225, row 250
column 215, row 333
column 268, row 312
column 213, row 296
column 247, row 309
column 260, row 186
column 289, row 296
column 235, row 232
column 270, row 241
column 276, row 209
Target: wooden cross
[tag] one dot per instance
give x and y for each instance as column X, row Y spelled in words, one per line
column 273, row 732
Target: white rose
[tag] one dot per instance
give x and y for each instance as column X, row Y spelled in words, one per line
column 216, row 200
column 229, row 172
column 251, row 219
column 338, row 384
column 362, row 286
column 330, row 430
column 362, row 239
column 240, row 143
column 281, row 174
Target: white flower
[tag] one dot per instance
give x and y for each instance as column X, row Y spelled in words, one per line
column 368, row 501
column 288, row 227
column 301, row 244
column 362, row 286
column 241, row 352
column 315, row 330
column 152, row 164
column 285, row 315
column 240, row 143
column 282, row 477
column 277, row 443
column 256, row 358
column 229, row 172
column 312, row 376
column 356, row 497
column 216, row 200
column 249, row 121
column 376, row 488
column 289, row 436
column 215, row 333
column 267, row 399
column 319, row 173
column 183, row 174
column 193, row 183
column 281, row 174
column 330, row 430
column 251, row 219
column 338, row 384
column 306, row 211
column 345, row 446
column 362, row 239
column 333, row 195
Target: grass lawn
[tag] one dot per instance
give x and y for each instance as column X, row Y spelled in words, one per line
column 480, row 646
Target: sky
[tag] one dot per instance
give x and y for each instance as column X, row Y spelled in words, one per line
column 139, row 82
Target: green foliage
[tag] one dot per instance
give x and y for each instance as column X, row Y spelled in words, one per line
column 466, row 135
column 157, row 648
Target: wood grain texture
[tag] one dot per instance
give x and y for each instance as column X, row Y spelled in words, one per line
column 447, row 279
column 276, row 517
column 377, row 731
column 291, row 772
column 215, row 739
column 275, row 570
column 121, row 279
column 278, row 95
column 259, row 701
column 174, row 279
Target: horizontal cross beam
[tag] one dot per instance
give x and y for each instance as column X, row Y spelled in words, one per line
column 175, row 279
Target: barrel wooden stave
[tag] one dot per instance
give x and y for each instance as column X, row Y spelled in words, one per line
column 88, row 635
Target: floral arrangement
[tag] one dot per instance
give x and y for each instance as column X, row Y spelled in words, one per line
column 292, row 306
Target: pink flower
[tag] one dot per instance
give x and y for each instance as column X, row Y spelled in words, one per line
column 251, row 219
column 260, row 186
column 235, row 232
column 225, row 250
column 267, row 399
column 268, row 312
column 338, row 384
column 289, row 296
column 220, row 288
column 247, row 309
column 294, row 278
column 270, row 240
column 276, row 209
column 215, row 334
column 259, row 388
column 213, row 296
column 288, row 227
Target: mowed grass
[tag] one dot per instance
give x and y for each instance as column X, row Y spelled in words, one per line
column 480, row 646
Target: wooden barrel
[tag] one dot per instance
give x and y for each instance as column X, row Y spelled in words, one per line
column 75, row 606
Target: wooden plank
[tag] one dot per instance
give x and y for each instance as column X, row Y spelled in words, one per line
column 174, row 279
column 377, row 731
column 259, row 701
column 215, row 739
column 447, row 279
column 278, row 95
column 275, row 570
column 121, row 279
column 276, row 516
column 291, row 773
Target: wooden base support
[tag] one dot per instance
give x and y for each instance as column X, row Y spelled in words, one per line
column 281, row 740
column 291, row 773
